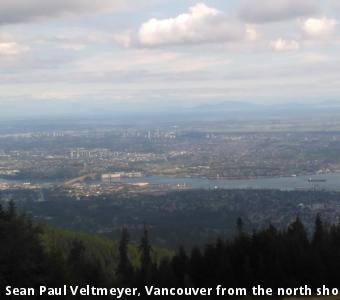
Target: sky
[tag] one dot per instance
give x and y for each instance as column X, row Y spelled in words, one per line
column 91, row 54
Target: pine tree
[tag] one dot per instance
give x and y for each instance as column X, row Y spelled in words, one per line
column 145, row 256
column 318, row 235
column 124, row 269
column 239, row 226
column 11, row 212
column 196, row 267
column 179, row 265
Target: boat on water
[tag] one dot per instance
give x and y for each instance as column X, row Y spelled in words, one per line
column 317, row 180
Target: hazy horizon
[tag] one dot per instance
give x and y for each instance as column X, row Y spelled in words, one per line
column 99, row 57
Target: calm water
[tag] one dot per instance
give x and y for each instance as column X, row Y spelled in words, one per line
column 282, row 183
column 8, row 181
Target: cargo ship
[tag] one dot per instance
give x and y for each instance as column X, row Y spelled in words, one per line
column 316, row 180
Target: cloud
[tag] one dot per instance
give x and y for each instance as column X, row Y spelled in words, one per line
column 9, row 47
column 284, row 45
column 260, row 11
column 202, row 24
column 252, row 34
column 78, row 39
column 73, row 47
column 16, row 11
column 123, row 38
column 315, row 58
column 319, row 27
column 335, row 4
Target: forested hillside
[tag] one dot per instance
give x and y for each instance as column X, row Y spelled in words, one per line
column 188, row 218
column 32, row 255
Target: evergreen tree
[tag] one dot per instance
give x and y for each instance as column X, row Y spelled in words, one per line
column 124, row 269
column 11, row 212
column 196, row 267
column 179, row 265
column 239, row 226
column 319, row 233
column 145, row 256
column 22, row 258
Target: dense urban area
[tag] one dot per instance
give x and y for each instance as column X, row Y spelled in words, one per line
column 101, row 156
column 99, row 178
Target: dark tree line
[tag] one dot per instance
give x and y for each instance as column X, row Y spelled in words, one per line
column 22, row 259
column 270, row 257
column 25, row 263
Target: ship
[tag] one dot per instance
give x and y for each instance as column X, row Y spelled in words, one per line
column 317, row 180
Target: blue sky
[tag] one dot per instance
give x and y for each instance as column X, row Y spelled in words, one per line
column 167, row 52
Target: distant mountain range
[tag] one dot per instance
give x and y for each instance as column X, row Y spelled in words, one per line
column 249, row 106
column 168, row 109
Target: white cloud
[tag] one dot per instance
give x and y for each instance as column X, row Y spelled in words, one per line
column 13, row 11
column 284, row 45
column 202, row 24
column 259, row 11
column 319, row 27
column 9, row 47
column 252, row 34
